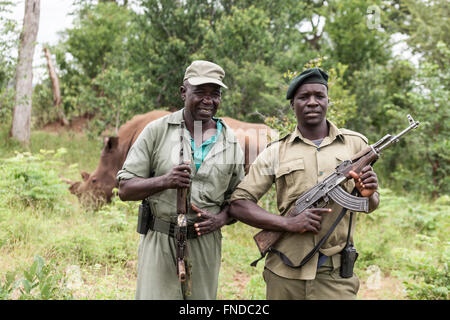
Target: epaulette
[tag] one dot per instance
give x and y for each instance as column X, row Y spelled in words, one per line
column 278, row 140
column 347, row 132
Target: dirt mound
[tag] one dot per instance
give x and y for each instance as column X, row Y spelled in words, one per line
column 77, row 124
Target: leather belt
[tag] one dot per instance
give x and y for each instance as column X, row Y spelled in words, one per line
column 171, row 228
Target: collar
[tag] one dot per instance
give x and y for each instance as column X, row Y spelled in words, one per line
column 176, row 117
column 333, row 133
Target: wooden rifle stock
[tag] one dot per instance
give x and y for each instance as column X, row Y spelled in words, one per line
column 181, row 270
column 181, row 235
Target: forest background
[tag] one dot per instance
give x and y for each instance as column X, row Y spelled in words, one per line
column 122, row 58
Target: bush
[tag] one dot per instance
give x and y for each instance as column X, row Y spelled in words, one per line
column 41, row 281
column 32, row 180
column 435, row 284
column 429, row 276
column 407, row 238
column 38, row 215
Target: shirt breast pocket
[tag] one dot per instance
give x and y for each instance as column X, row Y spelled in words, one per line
column 290, row 177
column 215, row 185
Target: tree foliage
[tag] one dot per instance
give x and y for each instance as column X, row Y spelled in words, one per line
column 424, row 163
column 126, row 57
column 427, row 24
column 8, row 40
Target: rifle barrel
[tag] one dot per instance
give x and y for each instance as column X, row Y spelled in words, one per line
column 412, row 125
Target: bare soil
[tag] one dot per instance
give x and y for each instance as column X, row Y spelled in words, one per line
column 389, row 288
column 77, row 124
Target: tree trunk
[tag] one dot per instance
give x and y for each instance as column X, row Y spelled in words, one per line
column 21, row 123
column 55, row 88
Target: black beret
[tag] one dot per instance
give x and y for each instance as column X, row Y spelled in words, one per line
column 314, row 75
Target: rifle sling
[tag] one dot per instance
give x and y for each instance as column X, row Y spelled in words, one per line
column 308, row 257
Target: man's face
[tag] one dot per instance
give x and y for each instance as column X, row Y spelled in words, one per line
column 201, row 101
column 310, row 104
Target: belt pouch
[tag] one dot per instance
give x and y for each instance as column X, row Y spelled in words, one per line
column 348, row 258
column 144, row 218
column 348, row 255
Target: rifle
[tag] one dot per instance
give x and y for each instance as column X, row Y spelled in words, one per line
column 181, row 234
column 330, row 188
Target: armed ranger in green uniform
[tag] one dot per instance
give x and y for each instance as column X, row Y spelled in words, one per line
column 212, row 169
column 305, row 262
column 329, row 190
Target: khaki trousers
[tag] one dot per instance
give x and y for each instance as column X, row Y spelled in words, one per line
column 328, row 285
column 157, row 272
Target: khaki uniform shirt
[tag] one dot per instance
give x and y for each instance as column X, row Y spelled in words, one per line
column 155, row 152
column 295, row 164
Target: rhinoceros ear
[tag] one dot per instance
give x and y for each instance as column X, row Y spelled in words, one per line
column 111, row 143
column 85, row 175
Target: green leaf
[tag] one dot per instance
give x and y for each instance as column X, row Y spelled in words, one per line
column 27, row 286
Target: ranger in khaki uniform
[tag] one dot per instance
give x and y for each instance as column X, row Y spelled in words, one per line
column 296, row 163
column 212, row 171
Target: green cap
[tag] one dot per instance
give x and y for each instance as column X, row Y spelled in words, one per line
column 314, row 75
column 201, row 72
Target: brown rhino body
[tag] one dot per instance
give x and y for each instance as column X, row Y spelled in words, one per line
column 98, row 186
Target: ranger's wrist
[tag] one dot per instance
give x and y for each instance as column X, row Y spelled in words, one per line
column 374, row 201
column 226, row 219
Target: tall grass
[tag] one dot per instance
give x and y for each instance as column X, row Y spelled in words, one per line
column 52, row 248
column 40, row 218
column 83, row 154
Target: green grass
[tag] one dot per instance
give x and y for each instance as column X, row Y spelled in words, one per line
column 237, row 279
column 406, row 239
column 103, row 244
column 83, row 156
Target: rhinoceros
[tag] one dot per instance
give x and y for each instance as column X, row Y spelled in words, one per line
column 98, row 187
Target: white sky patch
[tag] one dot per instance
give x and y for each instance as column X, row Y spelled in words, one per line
column 54, row 17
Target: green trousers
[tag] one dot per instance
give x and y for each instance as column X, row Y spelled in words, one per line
column 328, row 285
column 157, row 273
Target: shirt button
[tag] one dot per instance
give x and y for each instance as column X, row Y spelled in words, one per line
column 318, row 149
column 320, row 173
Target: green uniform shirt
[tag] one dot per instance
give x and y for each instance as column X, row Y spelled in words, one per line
column 154, row 153
column 295, row 164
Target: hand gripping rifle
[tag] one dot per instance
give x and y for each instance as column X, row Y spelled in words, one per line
column 181, row 234
column 330, row 188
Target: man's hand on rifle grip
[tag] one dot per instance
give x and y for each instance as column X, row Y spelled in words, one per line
column 179, row 176
column 366, row 181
